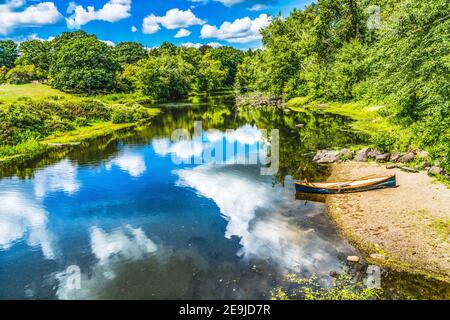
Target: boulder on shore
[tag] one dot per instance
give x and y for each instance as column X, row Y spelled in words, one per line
column 396, row 156
column 409, row 156
column 346, row 154
column 373, row 153
column 383, row 157
column 362, row 155
column 325, row 156
column 435, row 171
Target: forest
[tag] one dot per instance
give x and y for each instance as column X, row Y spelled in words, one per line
column 390, row 54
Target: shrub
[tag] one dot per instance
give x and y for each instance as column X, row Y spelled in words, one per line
column 81, row 122
column 129, row 114
column 23, row 74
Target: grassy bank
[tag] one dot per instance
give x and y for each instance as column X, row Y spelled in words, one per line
column 386, row 134
column 35, row 117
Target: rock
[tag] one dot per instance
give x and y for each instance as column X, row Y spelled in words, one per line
column 325, row 156
column 354, row 259
column 346, row 154
column 392, row 166
column 362, row 156
column 407, row 157
column 373, row 153
column 383, row 157
column 422, row 154
column 411, row 170
column 396, row 156
column 334, row 274
column 320, row 154
column 377, row 256
column 435, row 170
column 300, row 125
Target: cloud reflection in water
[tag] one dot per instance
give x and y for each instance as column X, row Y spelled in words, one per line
column 267, row 219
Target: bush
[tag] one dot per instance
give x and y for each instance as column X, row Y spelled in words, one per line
column 81, row 122
column 56, row 124
column 129, row 114
column 24, row 120
column 23, row 74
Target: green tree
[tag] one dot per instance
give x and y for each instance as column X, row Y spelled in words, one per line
column 8, row 53
column 83, row 64
column 165, row 77
column 230, row 58
column 211, row 75
column 36, row 53
column 129, row 52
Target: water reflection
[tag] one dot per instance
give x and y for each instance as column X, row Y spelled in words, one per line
column 61, row 176
column 163, row 230
column 267, row 220
column 129, row 162
column 22, row 217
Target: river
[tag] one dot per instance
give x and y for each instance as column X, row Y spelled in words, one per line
column 120, row 218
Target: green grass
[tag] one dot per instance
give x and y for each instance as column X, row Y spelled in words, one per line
column 366, row 118
column 39, row 92
column 10, row 92
column 98, row 129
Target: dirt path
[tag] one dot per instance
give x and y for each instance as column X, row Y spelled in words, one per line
column 409, row 225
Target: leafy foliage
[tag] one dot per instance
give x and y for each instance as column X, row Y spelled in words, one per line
column 82, row 64
column 8, row 53
column 129, row 52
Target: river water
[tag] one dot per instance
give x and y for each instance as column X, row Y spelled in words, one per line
column 133, row 222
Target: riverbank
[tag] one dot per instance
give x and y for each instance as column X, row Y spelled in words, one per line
column 406, row 228
column 35, row 117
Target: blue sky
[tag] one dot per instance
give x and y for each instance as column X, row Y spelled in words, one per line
column 183, row 22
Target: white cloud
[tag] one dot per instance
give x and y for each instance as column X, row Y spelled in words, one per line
column 257, row 7
column 239, row 31
column 183, row 33
column 174, row 19
column 229, row 3
column 108, row 42
column 133, row 29
column 11, row 16
column 198, row 45
column 112, row 11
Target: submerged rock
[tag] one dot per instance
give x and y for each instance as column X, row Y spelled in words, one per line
column 362, row 155
column 354, row 259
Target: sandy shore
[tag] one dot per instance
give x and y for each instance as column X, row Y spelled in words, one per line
column 407, row 227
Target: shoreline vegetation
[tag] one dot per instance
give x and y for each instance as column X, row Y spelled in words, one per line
column 35, row 118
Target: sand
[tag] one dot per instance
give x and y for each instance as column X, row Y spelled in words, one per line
column 407, row 227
